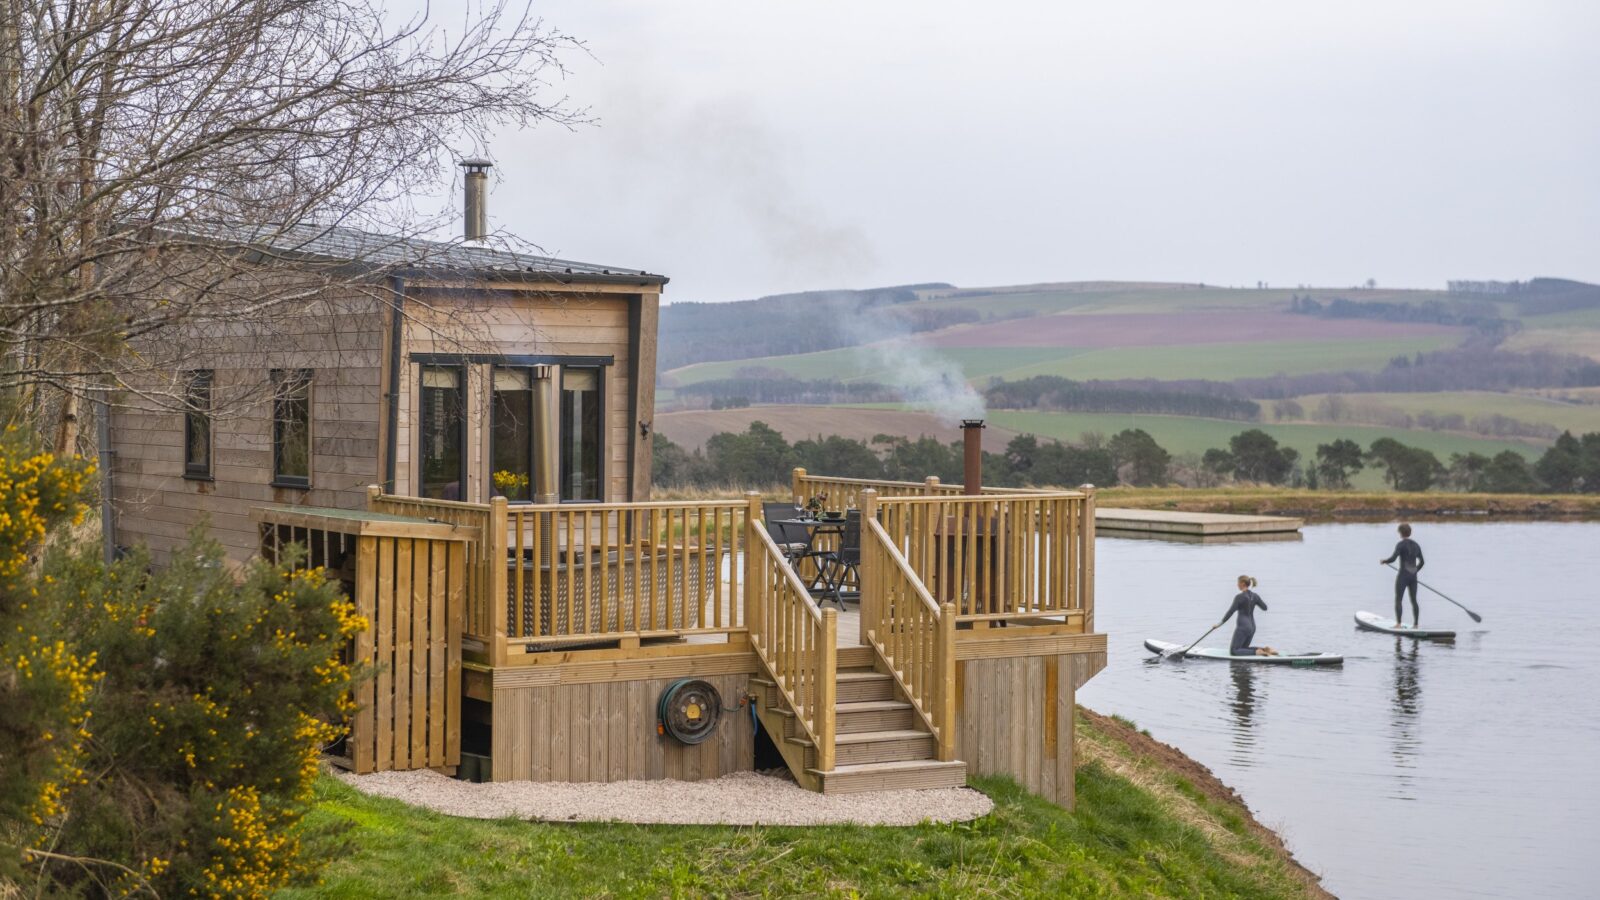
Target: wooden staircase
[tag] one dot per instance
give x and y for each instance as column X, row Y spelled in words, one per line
column 881, row 742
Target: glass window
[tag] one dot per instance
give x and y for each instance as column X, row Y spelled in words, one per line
column 511, row 444
column 580, row 434
column 197, row 425
column 442, row 432
column 291, row 427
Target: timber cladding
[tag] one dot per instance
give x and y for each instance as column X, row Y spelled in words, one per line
column 412, row 592
column 1016, row 718
column 606, row 731
column 339, row 338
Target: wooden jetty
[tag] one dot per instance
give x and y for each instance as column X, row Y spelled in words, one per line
column 1195, row 524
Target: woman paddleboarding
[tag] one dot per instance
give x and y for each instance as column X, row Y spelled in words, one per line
column 1244, row 629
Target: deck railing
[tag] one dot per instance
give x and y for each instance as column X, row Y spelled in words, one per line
column 914, row 635
column 794, row 638
column 623, row 570
column 485, row 577
column 845, row 493
column 997, row 557
column 581, row 573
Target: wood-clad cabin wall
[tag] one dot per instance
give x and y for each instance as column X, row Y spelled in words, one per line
column 606, row 731
column 1016, row 718
column 341, row 338
column 523, row 321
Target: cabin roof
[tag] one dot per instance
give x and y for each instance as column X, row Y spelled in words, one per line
column 394, row 254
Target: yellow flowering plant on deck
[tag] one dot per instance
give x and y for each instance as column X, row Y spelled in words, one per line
column 186, row 712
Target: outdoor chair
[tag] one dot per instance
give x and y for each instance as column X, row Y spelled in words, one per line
column 793, row 547
column 842, row 566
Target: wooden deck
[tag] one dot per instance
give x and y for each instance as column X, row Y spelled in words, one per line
column 972, row 628
column 1198, row 524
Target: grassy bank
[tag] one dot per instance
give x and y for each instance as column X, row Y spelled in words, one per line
column 1149, row 823
column 1328, row 505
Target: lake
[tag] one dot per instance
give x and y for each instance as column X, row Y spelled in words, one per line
column 1417, row 769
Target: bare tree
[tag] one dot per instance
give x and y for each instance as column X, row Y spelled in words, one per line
column 148, row 148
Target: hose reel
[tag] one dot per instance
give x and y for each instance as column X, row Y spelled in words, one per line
column 689, row 710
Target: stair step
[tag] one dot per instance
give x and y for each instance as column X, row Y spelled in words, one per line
column 858, row 685
column 890, row 776
column 875, row 715
column 876, row 746
column 855, row 657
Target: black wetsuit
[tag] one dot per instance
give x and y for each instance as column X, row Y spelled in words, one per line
column 1409, row 553
column 1245, row 605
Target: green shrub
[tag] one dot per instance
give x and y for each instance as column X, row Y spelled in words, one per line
column 203, row 697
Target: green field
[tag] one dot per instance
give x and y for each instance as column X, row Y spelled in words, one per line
column 1153, row 300
column 1182, row 434
column 1575, row 417
column 1215, row 361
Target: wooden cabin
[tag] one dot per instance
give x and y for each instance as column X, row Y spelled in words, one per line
column 461, row 436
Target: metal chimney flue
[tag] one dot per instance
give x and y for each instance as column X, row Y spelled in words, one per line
column 972, row 456
column 475, row 207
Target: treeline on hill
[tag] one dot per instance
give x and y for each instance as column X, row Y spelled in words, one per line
column 1468, row 312
column 1441, row 370
column 1536, row 296
column 1211, row 399
column 774, row 386
column 760, row 456
column 795, row 323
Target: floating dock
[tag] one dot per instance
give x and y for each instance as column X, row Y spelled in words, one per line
column 1192, row 524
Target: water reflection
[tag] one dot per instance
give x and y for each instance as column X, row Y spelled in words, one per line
column 1404, row 716
column 1244, row 711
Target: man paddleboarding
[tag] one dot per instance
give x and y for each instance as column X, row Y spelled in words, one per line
column 1409, row 553
column 1244, row 629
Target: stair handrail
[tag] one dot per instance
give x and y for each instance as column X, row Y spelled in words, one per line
column 795, row 639
column 912, row 633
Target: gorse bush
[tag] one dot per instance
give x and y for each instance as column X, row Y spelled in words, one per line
column 168, row 723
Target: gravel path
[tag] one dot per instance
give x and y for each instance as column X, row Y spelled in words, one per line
column 743, row 798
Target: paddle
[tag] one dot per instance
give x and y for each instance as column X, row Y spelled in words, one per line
column 1173, row 654
column 1475, row 616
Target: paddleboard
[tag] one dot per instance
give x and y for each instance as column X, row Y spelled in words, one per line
column 1385, row 624
column 1286, row 659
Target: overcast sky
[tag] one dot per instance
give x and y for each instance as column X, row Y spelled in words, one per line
column 749, row 148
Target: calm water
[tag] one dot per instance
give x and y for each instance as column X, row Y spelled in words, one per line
column 1418, row 769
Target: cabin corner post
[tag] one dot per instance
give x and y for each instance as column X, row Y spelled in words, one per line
column 797, row 481
column 870, row 583
column 1086, row 536
column 494, row 585
column 752, row 590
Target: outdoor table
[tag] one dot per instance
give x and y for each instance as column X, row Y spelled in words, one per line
column 814, row 528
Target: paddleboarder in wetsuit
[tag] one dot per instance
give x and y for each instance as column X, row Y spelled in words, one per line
column 1244, row 629
column 1409, row 553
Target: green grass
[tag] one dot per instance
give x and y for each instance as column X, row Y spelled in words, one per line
column 1142, row 299
column 1575, row 417
column 1124, row 841
column 1218, row 361
column 1182, row 434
